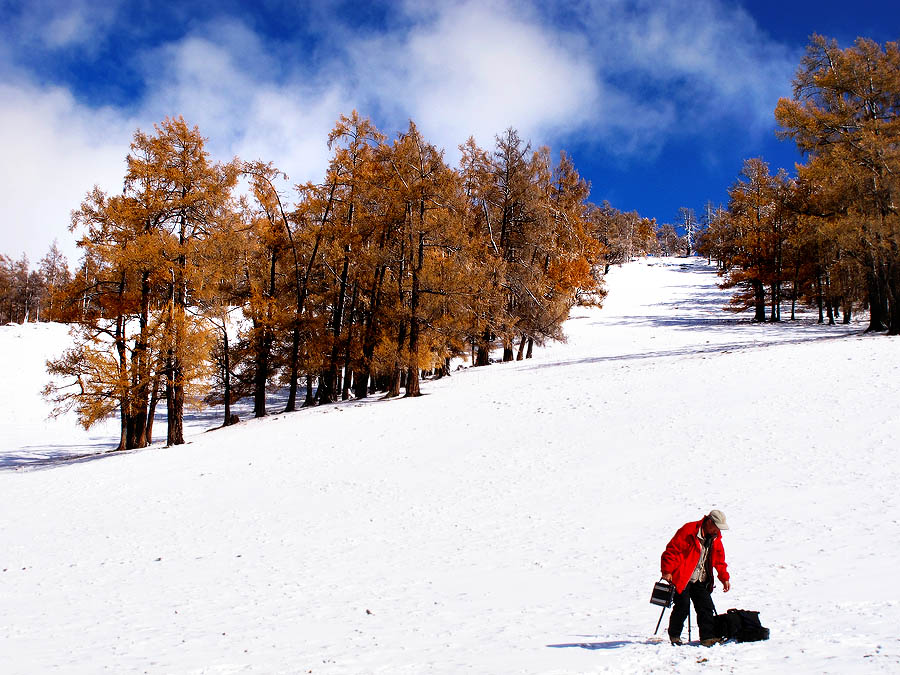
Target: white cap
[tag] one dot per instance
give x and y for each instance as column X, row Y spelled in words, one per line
column 718, row 518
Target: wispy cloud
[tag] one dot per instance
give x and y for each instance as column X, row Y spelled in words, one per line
column 709, row 59
column 60, row 25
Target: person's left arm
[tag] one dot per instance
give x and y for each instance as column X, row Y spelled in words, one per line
column 720, row 565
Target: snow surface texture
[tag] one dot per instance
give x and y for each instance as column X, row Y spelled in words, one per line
column 509, row 521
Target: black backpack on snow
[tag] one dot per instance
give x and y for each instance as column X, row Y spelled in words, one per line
column 741, row 625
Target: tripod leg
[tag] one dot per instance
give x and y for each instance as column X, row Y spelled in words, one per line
column 660, row 620
column 689, row 623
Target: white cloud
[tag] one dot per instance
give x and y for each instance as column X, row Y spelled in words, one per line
column 475, row 69
column 56, row 151
column 62, row 147
column 290, row 126
column 222, row 79
column 624, row 74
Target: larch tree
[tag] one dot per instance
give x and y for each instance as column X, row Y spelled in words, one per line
column 143, row 252
column 845, row 115
column 752, row 212
column 185, row 192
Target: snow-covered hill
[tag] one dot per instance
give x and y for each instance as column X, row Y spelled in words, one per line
column 509, row 521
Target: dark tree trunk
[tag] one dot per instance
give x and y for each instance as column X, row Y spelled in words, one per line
column 795, row 286
column 394, row 386
column 348, row 383
column 170, row 398
column 370, row 335
column 260, row 374
column 175, row 432
column 351, row 324
column 507, row 350
column 775, row 314
column 412, row 370
column 829, row 303
column 176, row 422
column 483, row 357
column 893, row 295
column 124, row 400
column 329, row 385
column 521, row 354
column 141, row 362
column 226, row 376
column 819, row 298
column 383, row 383
column 310, row 399
column 877, row 310
column 151, row 409
column 291, row 404
column 360, row 384
column 759, row 296
column 264, row 339
column 397, row 372
column 412, row 382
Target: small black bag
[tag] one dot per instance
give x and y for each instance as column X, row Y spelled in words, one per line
column 741, row 625
column 663, row 593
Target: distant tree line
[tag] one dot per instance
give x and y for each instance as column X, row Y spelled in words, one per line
column 831, row 236
column 28, row 294
column 206, row 279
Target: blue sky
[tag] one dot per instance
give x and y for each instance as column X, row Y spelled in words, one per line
column 658, row 101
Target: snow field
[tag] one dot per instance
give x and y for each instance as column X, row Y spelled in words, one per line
column 509, row 521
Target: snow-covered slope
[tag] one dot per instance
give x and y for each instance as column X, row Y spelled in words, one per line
column 509, row 521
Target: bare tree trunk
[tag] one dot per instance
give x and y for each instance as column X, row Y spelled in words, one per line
column 329, row 383
column 522, row 342
column 226, row 376
column 759, row 295
column 394, row 386
column 261, row 371
column 483, row 357
column 819, row 298
column 828, row 301
column 351, row 324
column 368, row 349
column 877, row 310
column 141, row 366
column 310, row 399
column 291, row 404
column 151, row 408
column 507, row 350
column 893, row 288
column 774, row 315
column 397, row 372
column 175, row 387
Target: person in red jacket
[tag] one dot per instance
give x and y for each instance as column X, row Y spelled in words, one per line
column 688, row 563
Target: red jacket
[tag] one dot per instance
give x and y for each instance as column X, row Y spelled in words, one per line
column 681, row 556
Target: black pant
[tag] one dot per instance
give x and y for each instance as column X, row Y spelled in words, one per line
column 699, row 594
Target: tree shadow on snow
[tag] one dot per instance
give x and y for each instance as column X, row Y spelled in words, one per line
column 196, row 421
column 694, row 350
column 613, row 644
column 35, row 457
